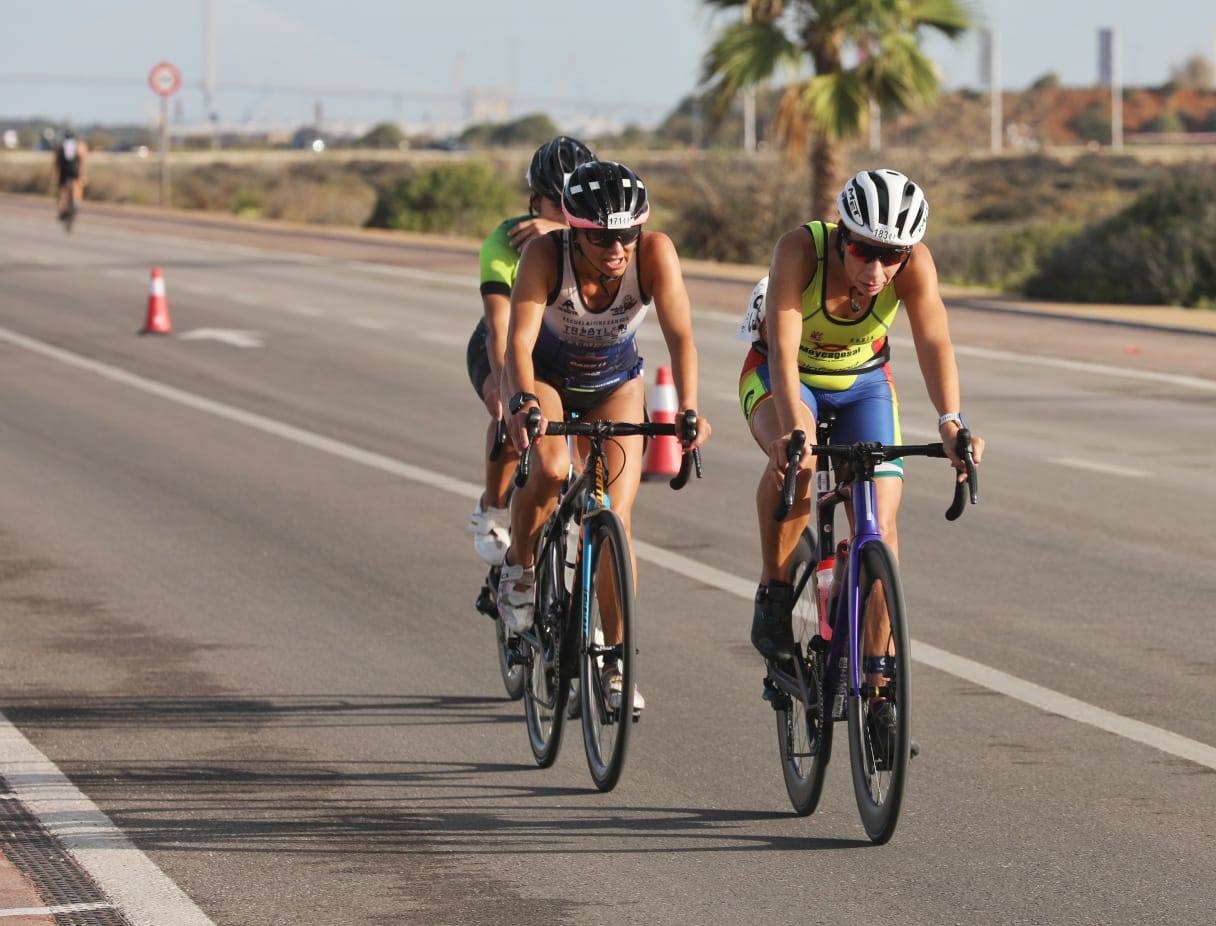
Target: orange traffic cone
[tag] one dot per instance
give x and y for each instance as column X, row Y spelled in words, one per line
column 157, row 321
column 663, row 453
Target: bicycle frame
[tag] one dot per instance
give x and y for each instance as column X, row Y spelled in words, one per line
column 586, row 495
column 846, row 605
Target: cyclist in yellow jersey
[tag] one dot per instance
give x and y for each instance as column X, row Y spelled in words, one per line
column 500, row 254
column 820, row 335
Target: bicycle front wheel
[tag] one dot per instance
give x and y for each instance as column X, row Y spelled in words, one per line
column 879, row 732
column 545, row 688
column 804, row 736
column 607, row 703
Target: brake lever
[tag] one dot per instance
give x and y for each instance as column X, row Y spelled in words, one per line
column 971, row 486
column 525, row 458
column 797, row 447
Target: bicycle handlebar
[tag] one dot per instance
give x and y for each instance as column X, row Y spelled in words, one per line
column 600, row 430
column 793, row 456
column 875, row 452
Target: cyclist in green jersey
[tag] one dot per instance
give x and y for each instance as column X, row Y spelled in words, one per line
column 551, row 163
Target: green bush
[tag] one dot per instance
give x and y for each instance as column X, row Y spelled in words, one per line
column 1159, row 250
column 1094, row 123
column 467, row 198
column 734, row 210
column 993, row 255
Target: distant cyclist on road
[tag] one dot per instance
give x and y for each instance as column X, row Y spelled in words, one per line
column 578, row 302
column 500, row 255
column 71, row 155
column 820, row 345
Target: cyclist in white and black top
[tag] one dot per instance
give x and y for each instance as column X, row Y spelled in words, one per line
column 578, row 300
column 70, row 156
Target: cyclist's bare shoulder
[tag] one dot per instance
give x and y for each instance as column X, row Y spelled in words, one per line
column 917, row 283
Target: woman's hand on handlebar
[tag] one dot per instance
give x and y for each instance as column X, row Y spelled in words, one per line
column 703, row 430
column 517, row 426
column 949, row 432
column 778, row 459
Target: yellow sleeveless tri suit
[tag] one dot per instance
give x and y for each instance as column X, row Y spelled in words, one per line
column 842, row 363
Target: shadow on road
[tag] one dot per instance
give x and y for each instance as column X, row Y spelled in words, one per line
column 250, row 780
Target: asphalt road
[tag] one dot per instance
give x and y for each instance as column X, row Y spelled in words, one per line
column 236, row 605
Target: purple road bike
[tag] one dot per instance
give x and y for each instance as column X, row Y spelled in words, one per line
column 829, row 681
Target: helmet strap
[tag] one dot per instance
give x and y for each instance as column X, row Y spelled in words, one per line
column 605, row 279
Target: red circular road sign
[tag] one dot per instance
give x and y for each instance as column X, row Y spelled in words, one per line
column 165, row 79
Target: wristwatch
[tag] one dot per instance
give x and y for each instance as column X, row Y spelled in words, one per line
column 519, row 400
column 951, row 416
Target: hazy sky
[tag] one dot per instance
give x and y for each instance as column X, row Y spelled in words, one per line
column 615, row 57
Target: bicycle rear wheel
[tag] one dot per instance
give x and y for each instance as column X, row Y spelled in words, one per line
column 879, row 743
column 804, row 737
column 605, row 726
column 545, row 688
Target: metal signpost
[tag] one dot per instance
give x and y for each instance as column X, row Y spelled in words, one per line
column 165, row 80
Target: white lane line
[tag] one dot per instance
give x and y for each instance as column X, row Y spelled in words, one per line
column 974, row 672
column 143, row 892
column 412, row 273
column 438, row 337
column 246, row 298
column 1077, row 366
column 307, row 311
column 1065, row 706
column 371, row 324
column 51, row 911
column 1057, row 363
column 1095, row 466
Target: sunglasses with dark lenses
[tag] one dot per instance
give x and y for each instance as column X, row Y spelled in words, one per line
column 604, row 238
column 888, row 257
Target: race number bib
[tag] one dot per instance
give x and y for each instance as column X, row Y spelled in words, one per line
column 749, row 328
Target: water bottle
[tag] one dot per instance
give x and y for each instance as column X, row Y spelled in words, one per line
column 824, row 579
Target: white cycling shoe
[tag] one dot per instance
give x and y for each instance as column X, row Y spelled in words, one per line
column 491, row 530
column 610, row 679
column 516, row 596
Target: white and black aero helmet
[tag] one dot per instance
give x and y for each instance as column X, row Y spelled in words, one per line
column 552, row 163
column 605, row 194
column 885, row 207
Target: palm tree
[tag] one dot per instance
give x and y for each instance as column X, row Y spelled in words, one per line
column 817, row 115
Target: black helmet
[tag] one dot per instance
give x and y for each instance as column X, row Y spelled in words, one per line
column 552, row 163
column 605, row 194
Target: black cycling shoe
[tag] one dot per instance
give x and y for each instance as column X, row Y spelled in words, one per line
column 771, row 634
column 882, row 723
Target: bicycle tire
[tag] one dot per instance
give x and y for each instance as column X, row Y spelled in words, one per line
column 606, row 731
column 804, row 739
column 545, row 688
column 880, row 775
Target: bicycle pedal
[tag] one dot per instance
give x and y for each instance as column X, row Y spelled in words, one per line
column 485, row 604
